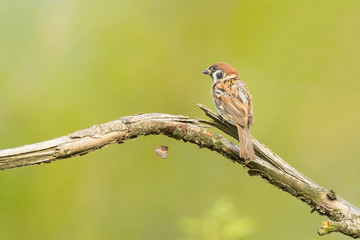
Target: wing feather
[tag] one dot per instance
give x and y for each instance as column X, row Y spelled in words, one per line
column 234, row 100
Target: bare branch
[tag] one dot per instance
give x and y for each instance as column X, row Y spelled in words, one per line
column 345, row 217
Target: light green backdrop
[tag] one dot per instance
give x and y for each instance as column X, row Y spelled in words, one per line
column 66, row 65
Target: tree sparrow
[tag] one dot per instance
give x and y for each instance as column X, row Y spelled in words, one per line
column 233, row 101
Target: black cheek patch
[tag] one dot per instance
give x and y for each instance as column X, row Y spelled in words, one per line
column 219, row 75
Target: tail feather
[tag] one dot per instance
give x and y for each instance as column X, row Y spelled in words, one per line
column 246, row 150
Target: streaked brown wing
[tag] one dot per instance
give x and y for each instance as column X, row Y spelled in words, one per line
column 233, row 98
column 250, row 107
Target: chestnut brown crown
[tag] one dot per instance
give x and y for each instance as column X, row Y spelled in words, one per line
column 221, row 71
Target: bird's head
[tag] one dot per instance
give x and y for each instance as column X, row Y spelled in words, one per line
column 221, row 71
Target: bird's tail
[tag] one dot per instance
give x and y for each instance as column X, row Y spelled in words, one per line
column 246, row 150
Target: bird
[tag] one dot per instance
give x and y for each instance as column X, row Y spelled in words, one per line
column 233, row 102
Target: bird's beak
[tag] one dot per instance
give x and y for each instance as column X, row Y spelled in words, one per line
column 206, row 71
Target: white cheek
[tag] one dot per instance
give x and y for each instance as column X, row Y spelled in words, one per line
column 214, row 77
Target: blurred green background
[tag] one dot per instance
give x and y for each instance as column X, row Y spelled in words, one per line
column 66, row 65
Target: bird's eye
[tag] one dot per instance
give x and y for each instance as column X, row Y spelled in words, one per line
column 219, row 74
column 214, row 68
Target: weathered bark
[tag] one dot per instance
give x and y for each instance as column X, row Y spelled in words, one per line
column 345, row 217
